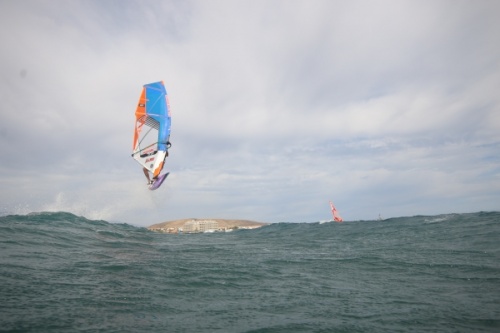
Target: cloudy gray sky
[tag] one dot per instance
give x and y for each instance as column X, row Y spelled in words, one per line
column 389, row 107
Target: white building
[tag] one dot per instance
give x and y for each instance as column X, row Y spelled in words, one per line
column 200, row 226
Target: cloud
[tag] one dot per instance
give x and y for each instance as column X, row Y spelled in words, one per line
column 277, row 107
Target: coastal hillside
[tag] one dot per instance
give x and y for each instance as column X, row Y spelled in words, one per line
column 203, row 225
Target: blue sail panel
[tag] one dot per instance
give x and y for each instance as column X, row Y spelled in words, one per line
column 157, row 107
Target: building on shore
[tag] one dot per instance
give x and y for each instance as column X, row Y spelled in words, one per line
column 200, row 226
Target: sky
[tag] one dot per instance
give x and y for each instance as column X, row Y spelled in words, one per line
column 387, row 107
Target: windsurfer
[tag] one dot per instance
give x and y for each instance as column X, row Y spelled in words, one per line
column 146, row 171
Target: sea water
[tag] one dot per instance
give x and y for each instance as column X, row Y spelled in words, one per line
column 64, row 273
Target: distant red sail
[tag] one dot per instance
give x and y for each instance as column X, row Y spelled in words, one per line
column 336, row 216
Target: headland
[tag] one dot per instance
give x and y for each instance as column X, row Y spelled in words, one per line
column 204, row 225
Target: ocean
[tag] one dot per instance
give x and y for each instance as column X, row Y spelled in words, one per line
column 64, row 273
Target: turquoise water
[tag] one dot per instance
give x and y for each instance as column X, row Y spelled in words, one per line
column 64, row 273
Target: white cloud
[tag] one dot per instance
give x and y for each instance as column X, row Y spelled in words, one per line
column 278, row 106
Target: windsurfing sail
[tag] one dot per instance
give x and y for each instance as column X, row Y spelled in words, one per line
column 335, row 213
column 152, row 128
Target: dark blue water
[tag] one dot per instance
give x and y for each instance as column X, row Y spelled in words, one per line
column 64, row 273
